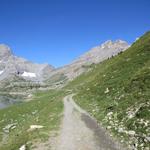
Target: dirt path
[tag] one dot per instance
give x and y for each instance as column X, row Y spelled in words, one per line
column 80, row 132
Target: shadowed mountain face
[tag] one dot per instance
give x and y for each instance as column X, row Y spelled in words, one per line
column 12, row 65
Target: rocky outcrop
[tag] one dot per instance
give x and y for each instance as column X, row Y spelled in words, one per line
column 102, row 52
column 93, row 56
column 13, row 65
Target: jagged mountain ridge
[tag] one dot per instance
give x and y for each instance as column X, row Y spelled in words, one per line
column 94, row 55
column 102, row 52
column 12, row 65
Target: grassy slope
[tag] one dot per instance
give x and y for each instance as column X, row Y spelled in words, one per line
column 56, row 79
column 45, row 109
column 127, row 78
column 120, row 85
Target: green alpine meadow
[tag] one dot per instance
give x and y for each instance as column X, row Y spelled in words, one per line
column 115, row 92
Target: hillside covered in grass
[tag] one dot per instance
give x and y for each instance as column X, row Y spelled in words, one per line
column 116, row 93
column 45, row 109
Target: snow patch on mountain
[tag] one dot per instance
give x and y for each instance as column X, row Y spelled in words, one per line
column 29, row 74
column 11, row 65
column 1, row 72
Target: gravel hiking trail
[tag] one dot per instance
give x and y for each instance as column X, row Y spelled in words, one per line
column 80, row 132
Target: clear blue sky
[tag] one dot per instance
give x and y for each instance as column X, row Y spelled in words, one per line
column 57, row 31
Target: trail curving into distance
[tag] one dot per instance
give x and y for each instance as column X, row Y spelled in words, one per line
column 80, row 132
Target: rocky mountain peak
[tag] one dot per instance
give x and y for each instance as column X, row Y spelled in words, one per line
column 104, row 51
column 108, row 42
column 5, row 51
column 95, row 55
column 120, row 41
column 11, row 65
column 111, row 44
